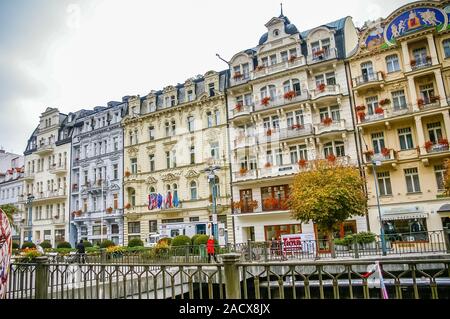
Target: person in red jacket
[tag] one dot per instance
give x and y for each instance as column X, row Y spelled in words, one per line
column 210, row 249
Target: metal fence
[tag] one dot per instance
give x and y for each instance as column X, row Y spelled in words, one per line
column 230, row 279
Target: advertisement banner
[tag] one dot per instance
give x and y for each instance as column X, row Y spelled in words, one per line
column 298, row 243
column 5, row 252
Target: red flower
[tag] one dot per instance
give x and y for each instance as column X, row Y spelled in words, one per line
column 265, row 101
column 302, row 163
column 361, row 116
column 327, row 121
column 385, row 151
column 360, row 107
column 289, row 95
column 428, row 145
column 238, row 107
column 443, row 141
column 268, row 164
column 379, row 110
column 321, row 87
column 237, row 75
column 269, row 132
column 128, row 206
column 331, row 158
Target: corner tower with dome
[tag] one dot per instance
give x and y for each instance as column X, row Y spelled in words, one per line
column 288, row 103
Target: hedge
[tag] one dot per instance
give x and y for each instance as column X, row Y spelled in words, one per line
column 135, row 242
column 107, row 243
column 63, row 244
column 46, row 245
column 181, row 240
column 28, row 244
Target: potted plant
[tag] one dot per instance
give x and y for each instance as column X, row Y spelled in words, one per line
column 127, row 174
column 289, row 95
column 269, row 132
column 260, row 67
column 341, row 244
column 331, row 158
column 243, row 171
column 434, row 99
column 128, row 206
column 384, row 101
column 361, row 116
column 366, row 240
column 327, row 121
column 443, row 141
column 368, row 153
column 267, row 165
column 237, row 75
column 238, row 107
column 302, row 163
column 428, row 58
column 292, row 58
column 109, row 210
column 319, row 52
column 385, row 151
column 297, row 127
column 265, row 101
column 428, row 145
column 360, row 107
column 379, row 110
column 413, row 62
column 321, row 87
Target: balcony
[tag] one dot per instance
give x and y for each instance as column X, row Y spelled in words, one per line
column 58, row 169
column 49, row 195
column 281, row 170
column 421, row 64
column 241, row 112
column 322, row 55
column 385, row 155
column 44, row 149
column 368, row 80
column 437, row 148
column 28, row 176
column 280, row 100
column 278, row 67
column 333, row 126
column 428, row 103
column 244, row 141
column 244, row 175
column 273, row 135
column 325, row 91
column 238, row 78
column 387, row 113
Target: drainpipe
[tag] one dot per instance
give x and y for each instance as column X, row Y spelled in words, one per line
column 358, row 139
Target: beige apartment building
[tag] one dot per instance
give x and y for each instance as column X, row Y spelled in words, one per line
column 288, row 103
column 401, row 77
column 170, row 138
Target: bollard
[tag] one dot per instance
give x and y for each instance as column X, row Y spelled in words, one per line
column 41, row 279
column 232, row 280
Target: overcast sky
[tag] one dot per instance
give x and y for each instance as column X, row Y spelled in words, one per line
column 80, row 54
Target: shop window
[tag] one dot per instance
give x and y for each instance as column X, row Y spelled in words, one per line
column 406, row 230
column 276, row 231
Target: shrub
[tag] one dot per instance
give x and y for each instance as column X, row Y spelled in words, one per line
column 201, row 240
column 63, row 244
column 194, row 238
column 15, row 245
column 137, row 248
column 107, row 243
column 181, row 240
column 91, row 250
column 149, row 254
column 46, row 245
column 339, row 241
column 135, row 242
column 161, row 249
column 28, row 244
column 87, row 244
column 365, row 237
column 166, row 240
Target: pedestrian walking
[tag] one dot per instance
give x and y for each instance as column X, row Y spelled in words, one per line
column 81, row 253
column 210, row 249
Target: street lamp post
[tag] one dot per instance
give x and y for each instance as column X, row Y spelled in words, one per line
column 30, row 199
column 383, row 239
column 211, row 171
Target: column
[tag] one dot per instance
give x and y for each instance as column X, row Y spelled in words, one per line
column 432, row 48
column 406, row 57
column 420, row 135
column 446, row 117
column 440, row 87
column 412, row 93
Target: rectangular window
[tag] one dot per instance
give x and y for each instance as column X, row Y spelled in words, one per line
column 174, row 158
column 168, row 159
column 273, row 59
column 399, row 100
column 134, row 227
column 274, row 197
column 133, row 165
column 427, row 92
column 151, row 133
column 372, row 104
column 115, row 201
column 194, row 219
column 412, row 180
column 115, row 171
column 96, row 230
column 378, row 142
column 211, row 88
column 209, row 119
column 439, row 172
column 330, row 78
column 284, row 56
column 192, row 153
column 191, row 127
column 153, row 226
column 384, row 183
column 116, row 143
column 190, row 96
column 279, row 157
column 335, row 114
column 405, row 137
column 434, row 132
column 217, row 117
column 215, row 150
column 392, row 63
column 151, row 158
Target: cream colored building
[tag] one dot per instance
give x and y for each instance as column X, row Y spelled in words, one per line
column 46, row 177
column 288, row 103
column 170, row 137
column 400, row 78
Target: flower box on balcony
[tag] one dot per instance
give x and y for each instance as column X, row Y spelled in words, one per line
column 243, row 171
column 369, row 153
column 238, row 107
column 360, row 108
column 260, row 67
column 379, row 110
column 268, row 165
column 420, row 102
column 128, row 206
column 428, row 58
column 428, row 145
column 292, row 58
column 443, row 141
column 265, row 101
column 302, row 163
column 321, row 87
column 327, row 121
column 269, row 132
column 109, row 210
column 319, row 52
column 384, row 102
column 237, row 75
column 127, row 174
column 361, row 116
column 413, row 62
column 297, row 127
column 289, row 95
column 385, row 151
column 331, row 158
column 434, row 99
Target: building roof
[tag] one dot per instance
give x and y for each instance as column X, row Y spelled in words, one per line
column 289, row 28
column 336, row 25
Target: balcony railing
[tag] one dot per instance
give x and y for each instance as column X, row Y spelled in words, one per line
column 49, row 195
column 241, row 110
column 368, row 78
column 285, row 133
column 244, row 141
column 281, row 100
column 436, row 148
column 386, row 156
column 58, row 169
column 324, row 56
column 44, row 149
column 428, row 103
column 284, row 65
column 244, row 175
column 28, row 176
column 236, row 80
column 421, row 64
column 327, row 90
column 335, row 125
column 278, row 170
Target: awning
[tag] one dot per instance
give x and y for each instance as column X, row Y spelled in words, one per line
column 444, row 208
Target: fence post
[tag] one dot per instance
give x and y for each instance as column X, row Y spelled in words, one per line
column 232, row 280
column 266, row 247
column 41, row 279
column 356, row 248
column 250, row 250
column 446, row 239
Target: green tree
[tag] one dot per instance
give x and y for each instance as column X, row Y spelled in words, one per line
column 328, row 194
column 9, row 210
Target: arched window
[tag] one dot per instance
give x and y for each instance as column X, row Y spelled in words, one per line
column 193, row 188
column 292, row 85
column 269, row 90
column 152, row 190
column 276, row 32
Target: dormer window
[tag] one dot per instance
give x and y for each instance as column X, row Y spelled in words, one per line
column 190, row 96
column 211, row 89
column 172, row 100
column 276, row 32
